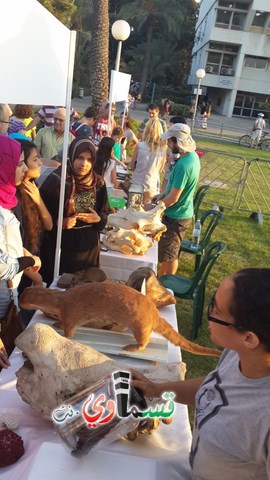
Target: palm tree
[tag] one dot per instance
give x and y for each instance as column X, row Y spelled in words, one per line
column 162, row 58
column 99, row 56
column 153, row 16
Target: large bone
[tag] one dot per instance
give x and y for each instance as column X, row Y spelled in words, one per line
column 127, row 241
column 148, row 222
column 58, row 368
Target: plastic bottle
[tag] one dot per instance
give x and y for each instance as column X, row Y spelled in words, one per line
column 196, row 235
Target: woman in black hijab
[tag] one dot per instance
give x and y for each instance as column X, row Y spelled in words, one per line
column 85, row 211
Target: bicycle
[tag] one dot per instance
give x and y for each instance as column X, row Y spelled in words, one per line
column 264, row 143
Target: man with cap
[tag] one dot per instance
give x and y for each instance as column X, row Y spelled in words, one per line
column 258, row 128
column 178, row 196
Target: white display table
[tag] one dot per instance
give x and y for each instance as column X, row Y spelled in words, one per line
column 118, row 266
column 162, row 455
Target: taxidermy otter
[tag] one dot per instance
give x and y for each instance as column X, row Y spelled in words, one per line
column 104, row 305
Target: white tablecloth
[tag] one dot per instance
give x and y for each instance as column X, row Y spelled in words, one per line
column 118, row 266
column 168, row 447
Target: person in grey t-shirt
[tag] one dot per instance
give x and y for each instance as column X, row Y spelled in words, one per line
column 231, row 438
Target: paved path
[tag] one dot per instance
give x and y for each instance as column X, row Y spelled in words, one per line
column 217, row 124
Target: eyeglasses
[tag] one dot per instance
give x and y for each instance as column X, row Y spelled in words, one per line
column 217, row 320
column 3, row 121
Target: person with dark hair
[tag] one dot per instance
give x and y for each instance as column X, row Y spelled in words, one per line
column 177, row 119
column 165, row 107
column 231, row 438
column 105, row 165
column 33, row 216
column 153, row 111
column 117, row 135
column 85, row 211
column 32, row 212
column 205, row 112
column 84, row 126
column 14, row 258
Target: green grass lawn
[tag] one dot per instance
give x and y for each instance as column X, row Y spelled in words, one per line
column 248, row 246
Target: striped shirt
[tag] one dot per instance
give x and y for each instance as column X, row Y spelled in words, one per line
column 46, row 113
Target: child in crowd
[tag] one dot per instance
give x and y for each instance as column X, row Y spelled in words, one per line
column 119, row 148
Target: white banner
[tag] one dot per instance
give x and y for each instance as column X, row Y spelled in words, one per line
column 119, row 86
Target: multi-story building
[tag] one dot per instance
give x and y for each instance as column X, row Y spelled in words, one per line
column 232, row 45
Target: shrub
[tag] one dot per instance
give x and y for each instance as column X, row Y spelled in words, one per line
column 179, row 109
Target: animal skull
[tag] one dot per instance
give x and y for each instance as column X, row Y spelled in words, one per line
column 57, row 368
column 148, row 223
column 127, row 241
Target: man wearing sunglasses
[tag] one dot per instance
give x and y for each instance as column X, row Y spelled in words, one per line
column 50, row 140
column 5, row 113
column 231, row 438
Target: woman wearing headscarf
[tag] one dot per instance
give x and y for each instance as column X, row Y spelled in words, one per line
column 13, row 257
column 85, row 211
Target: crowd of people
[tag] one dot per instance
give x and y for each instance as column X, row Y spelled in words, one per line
column 232, row 436
column 97, row 143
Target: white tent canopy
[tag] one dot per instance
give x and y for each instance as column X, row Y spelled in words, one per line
column 34, row 54
column 37, row 59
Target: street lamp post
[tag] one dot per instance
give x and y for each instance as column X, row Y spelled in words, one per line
column 200, row 74
column 120, row 31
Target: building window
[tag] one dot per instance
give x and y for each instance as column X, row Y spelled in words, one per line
column 221, row 58
column 231, row 4
column 255, row 62
column 223, row 18
column 249, row 105
column 233, row 16
column 238, row 21
column 260, row 18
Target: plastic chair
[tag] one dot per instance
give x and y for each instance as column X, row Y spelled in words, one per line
column 194, row 288
column 211, row 218
column 198, row 198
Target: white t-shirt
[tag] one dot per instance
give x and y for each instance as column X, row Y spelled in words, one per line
column 148, row 166
column 231, row 440
column 108, row 174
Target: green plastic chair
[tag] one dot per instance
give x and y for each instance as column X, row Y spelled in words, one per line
column 209, row 221
column 197, row 200
column 194, row 288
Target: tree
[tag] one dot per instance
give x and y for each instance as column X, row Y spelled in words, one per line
column 81, row 22
column 151, row 17
column 162, row 57
column 99, row 56
column 61, row 9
